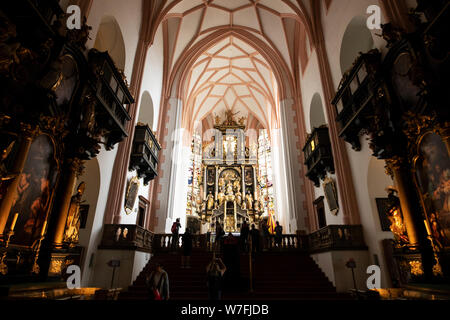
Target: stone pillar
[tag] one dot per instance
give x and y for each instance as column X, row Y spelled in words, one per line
column 72, row 172
column 28, row 134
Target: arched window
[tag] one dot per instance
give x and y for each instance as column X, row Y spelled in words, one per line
column 316, row 114
column 146, row 113
column 357, row 38
column 109, row 38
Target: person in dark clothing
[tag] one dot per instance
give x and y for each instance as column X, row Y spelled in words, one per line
column 254, row 233
column 187, row 249
column 215, row 270
column 219, row 235
column 175, row 234
column 266, row 234
column 231, row 259
column 158, row 284
column 245, row 231
column 278, row 235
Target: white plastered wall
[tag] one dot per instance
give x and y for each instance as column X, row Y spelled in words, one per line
column 335, row 22
column 127, row 14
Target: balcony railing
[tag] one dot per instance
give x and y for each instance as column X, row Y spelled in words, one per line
column 318, row 155
column 144, row 157
column 289, row 242
column 113, row 95
column 354, row 98
column 126, row 237
column 337, row 237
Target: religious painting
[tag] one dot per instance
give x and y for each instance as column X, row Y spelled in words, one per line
column 132, row 193
column 229, row 176
column 211, row 176
column 248, row 175
column 433, row 178
column 383, row 206
column 8, row 148
column 330, row 191
column 34, row 192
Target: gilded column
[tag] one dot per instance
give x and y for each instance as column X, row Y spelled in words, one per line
column 217, row 182
column 255, row 196
column 73, row 170
column 243, row 181
column 402, row 182
column 205, row 182
column 28, row 134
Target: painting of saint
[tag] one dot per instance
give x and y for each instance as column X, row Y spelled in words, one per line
column 433, row 175
column 34, row 192
column 248, row 175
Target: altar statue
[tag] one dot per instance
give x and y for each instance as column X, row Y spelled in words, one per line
column 221, row 197
column 239, row 198
column 237, row 186
column 72, row 229
column 249, row 199
column 222, row 183
column 230, row 191
column 210, row 201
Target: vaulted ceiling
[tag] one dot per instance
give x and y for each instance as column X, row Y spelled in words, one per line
column 231, row 74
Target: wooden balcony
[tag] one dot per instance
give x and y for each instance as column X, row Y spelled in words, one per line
column 337, row 237
column 126, row 237
column 318, row 155
column 112, row 96
column 357, row 93
column 144, row 156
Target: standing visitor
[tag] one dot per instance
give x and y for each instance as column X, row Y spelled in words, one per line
column 245, row 231
column 158, row 284
column 215, row 270
column 278, row 235
column 254, row 233
column 175, row 234
column 187, row 249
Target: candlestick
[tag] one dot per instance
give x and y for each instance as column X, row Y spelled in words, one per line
column 13, row 224
column 43, row 228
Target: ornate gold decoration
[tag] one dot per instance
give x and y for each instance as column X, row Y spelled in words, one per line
column 3, row 266
column 54, row 125
column 437, row 269
column 329, row 187
column 416, row 268
column 72, row 229
column 132, row 193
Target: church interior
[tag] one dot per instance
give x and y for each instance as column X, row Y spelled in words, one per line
column 329, row 118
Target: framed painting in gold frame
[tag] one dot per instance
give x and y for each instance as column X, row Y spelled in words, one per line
column 329, row 188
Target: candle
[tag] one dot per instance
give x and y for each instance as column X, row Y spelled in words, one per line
column 428, row 227
column 43, row 228
column 13, row 224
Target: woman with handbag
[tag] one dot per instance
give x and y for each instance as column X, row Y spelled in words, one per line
column 158, row 284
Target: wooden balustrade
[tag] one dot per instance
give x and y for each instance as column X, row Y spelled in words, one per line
column 126, row 237
column 337, row 237
column 289, row 242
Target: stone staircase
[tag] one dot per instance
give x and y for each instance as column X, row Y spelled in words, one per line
column 276, row 276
